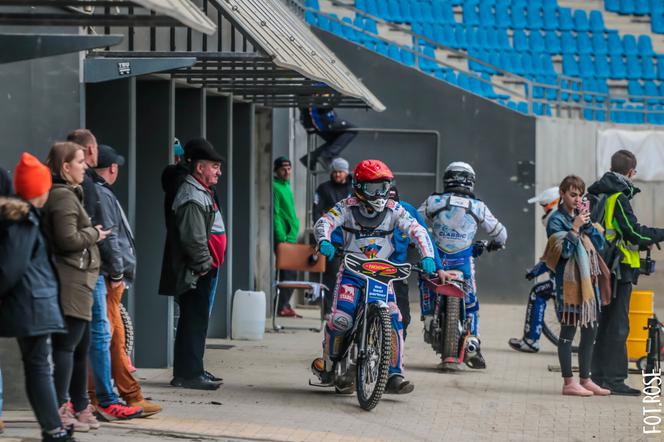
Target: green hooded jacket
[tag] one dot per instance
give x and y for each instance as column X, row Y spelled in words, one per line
column 286, row 224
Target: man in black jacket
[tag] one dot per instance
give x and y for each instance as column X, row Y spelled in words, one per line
column 327, row 195
column 609, row 364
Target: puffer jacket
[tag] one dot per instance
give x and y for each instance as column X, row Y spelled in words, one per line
column 73, row 241
column 29, row 302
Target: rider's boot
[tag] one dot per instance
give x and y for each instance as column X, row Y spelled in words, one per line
column 319, row 369
column 396, row 384
column 525, row 345
column 474, row 358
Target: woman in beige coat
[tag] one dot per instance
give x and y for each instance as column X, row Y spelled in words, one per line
column 73, row 241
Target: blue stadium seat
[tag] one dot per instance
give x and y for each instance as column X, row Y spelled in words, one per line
column 660, row 67
column 394, row 11
column 565, row 19
column 503, row 19
column 586, row 66
column 487, row 17
column 645, row 46
column 588, row 85
column 581, row 21
column 570, row 66
column 629, row 45
column 537, row 68
column 446, row 35
column 534, row 17
column 393, row 52
column 517, row 63
column 324, row 23
column 597, row 22
column 520, row 41
column 460, row 33
column 547, row 65
column 503, row 39
column 612, row 5
column 519, row 19
column 602, row 69
column 383, row 8
column 463, row 81
column 406, row 10
column 372, row 8
column 443, row 13
column 647, row 68
column 511, row 105
column 584, row 44
column 506, row 61
column 553, row 42
column 451, row 77
column 347, row 31
column 361, row 5
column 634, row 70
column 427, row 12
column 661, row 91
column 615, row 44
column 537, row 43
column 527, row 65
column 522, row 107
column 417, row 14
column 626, row 7
column 650, row 90
column 471, row 16
column 382, row 48
column 600, row 46
column 618, row 68
column 642, row 7
column 568, row 43
column 481, row 39
column 550, row 18
column 657, row 21
column 313, row 4
column 311, row 18
column 425, row 63
column 471, row 37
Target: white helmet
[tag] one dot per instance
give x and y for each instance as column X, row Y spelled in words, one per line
column 547, row 199
column 459, row 174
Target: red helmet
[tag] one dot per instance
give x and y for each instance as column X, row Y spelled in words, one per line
column 372, row 181
column 372, row 170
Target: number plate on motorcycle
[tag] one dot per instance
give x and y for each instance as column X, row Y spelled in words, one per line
column 377, row 292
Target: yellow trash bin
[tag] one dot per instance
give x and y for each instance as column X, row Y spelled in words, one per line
column 641, row 308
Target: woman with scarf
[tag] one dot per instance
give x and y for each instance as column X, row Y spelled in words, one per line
column 582, row 282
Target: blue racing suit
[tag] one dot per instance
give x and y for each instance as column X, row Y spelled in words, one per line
column 371, row 242
column 454, row 219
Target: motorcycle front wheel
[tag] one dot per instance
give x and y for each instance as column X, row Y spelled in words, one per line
column 452, row 337
column 373, row 367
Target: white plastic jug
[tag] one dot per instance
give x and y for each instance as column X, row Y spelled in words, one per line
column 248, row 320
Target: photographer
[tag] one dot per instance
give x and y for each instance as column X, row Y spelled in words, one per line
column 623, row 233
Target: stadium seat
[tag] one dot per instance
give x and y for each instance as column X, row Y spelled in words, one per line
column 645, row 46
column 460, row 34
column 596, row 22
column 550, row 18
column 537, row 43
column 394, row 11
column 612, row 5
column 406, row 11
column 471, row 16
column 618, row 69
column 615, row 44
column 602, row 69
column 313, row 4
column 647, row 69
column 626, row 7
column 584, row 44
column 383, row 9
column 393, row 52
column 347, row 31
column 553, row 42
column 534, row 17
column 565, row 19
column 650, row 90
column 600, row 46
column 517, row 63
column 642, row 7
column 519, row 19
column 660, row 67
column 586, row 66
column 311, row 18
column 451, row 77
column 487, row 17
column 568, row 43
column 634, row 70
column 503, row 19
column 629, row 45
column 443, row 13
column 522, row 107
column 527, row 65
column 581, row 21
column 657, row 21
column 520, row 41
column 570, row 66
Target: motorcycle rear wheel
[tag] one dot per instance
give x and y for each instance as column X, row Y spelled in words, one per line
column 452, row 336
column 373, row 367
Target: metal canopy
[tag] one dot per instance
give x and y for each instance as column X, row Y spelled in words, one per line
column 105, row 69
column 274, row 28
column 17, row 47
column 252, row 76
column 106, row 13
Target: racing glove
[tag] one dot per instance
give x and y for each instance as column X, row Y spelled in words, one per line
column 428, row 265
column 326, row 249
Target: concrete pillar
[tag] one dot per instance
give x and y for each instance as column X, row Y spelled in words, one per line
column 155, row 117
column 219, row 122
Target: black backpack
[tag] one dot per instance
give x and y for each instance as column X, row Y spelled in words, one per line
column 597, row 207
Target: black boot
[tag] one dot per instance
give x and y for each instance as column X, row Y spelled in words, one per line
column 64, row 435
column 398, row 385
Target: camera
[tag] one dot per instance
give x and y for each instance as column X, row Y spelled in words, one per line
column 647, row 265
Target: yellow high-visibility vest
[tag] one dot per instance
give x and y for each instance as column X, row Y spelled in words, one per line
column 629, row 251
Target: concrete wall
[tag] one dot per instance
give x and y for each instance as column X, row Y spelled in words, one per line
column 493, row 139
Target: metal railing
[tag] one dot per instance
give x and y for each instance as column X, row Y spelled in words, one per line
column 569, row 102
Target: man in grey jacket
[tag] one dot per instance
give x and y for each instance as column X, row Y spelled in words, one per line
column 196, row 258
column 119, row 272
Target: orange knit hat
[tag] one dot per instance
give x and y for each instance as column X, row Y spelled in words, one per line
column 31, row 177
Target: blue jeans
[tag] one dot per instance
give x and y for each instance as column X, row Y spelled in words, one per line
column 100, row 344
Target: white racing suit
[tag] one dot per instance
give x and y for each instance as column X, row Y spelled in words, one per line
column 454, row 219
column 372, row 238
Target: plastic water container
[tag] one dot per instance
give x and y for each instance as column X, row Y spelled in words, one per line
column 641, row 307
column 248, row 320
